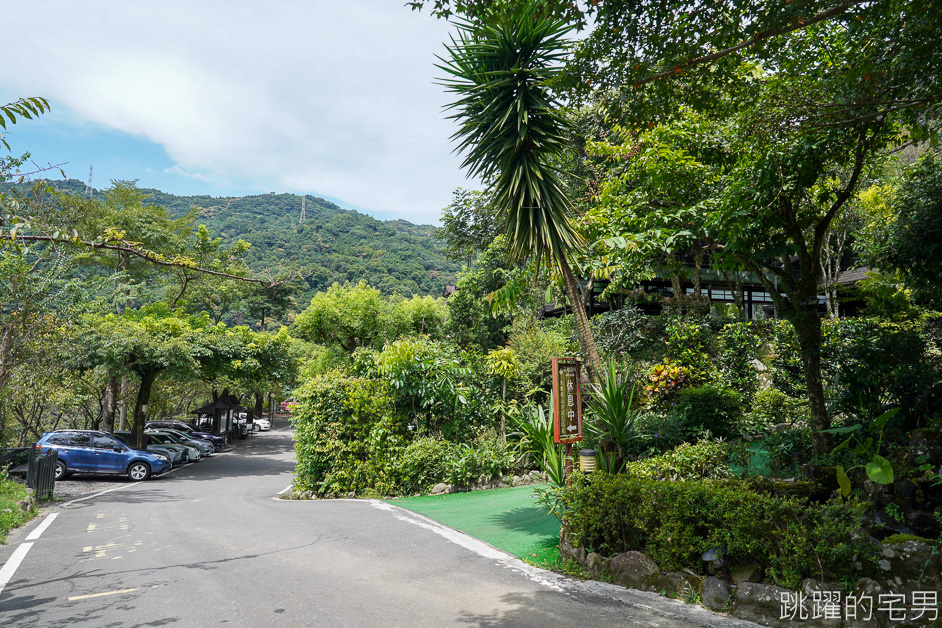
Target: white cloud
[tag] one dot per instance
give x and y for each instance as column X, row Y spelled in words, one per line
column 310, row 96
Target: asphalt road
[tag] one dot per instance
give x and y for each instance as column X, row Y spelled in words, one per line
column 211, row 544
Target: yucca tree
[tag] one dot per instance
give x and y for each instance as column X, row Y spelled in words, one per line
column 511, row 131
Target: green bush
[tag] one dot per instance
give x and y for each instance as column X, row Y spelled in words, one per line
column 688, row 344
column 11, row 515
column 716, row 410
column 620, row 332
column 705, row 459
column 421, row 465
column 658, row 430
column 346, row 429
column 769, row 408
column 879, row 364
column 485, row 459
column 675, row 522
column 739, row 344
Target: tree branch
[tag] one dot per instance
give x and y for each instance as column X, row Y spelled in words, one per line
column 772, row 32
column 128, row 248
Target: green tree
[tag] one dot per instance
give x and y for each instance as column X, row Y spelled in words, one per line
column 912, row 238
column 345, row 315
column 141, row 343
column 512, row 129
column 469, row 225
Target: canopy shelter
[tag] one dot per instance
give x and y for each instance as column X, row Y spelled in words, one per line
column 219, row 416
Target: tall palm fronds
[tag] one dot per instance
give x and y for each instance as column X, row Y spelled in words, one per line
column 511, row 129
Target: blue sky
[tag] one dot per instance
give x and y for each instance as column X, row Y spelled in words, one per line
column 239, row 97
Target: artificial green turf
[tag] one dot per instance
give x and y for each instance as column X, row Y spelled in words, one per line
column 507, row 518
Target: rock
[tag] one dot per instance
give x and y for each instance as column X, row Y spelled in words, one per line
column 715, row 594
column 596, row 564
column 924, row 442
column 910, row 566
column 568, row 550
column 440, row 488
column 822, row 595
column 635, row 570
column 906, row 488
column 676, row 581
column 857, row 616
column 762, row 603
column 746, row 573
column 758, row 365
column 519, row 481
column 923, row 523
column 535, row 476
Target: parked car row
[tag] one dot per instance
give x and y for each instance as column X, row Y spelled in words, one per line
column 166, row 444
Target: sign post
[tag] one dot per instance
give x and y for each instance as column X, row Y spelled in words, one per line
column 567, row 405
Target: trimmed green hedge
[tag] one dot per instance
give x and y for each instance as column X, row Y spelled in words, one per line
column 675, row 522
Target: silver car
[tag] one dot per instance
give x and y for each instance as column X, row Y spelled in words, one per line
column 194, row 453
column 206, row 448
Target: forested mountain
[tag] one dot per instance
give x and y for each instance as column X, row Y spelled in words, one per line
column 333, row 244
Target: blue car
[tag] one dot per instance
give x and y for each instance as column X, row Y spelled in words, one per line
column 88, row 451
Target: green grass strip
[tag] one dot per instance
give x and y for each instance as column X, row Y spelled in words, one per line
column 508, row 518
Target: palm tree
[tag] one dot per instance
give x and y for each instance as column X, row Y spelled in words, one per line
column 511, row 130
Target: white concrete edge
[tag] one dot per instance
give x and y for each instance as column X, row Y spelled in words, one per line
column 643, row 600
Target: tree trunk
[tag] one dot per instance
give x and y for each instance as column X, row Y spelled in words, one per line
column 807, row 326
column 143, row 398
column 259, row 405
column 586, row 340
column 111, row 405
column 123, row 414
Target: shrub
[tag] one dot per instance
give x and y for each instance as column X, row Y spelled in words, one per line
column 346, row 428
column 620, row 331
column 739, row 345
column 488, row 457
column 716, row 410
column 662, row 430
column 688, row 346
column 666, row 379
column 880, row 365
column 421, row 465
column 705, row 459
column 11, row 515
column 769, row 408
column 674, row 522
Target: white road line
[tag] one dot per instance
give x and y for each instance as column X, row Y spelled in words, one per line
column 35, row 534
column 284, row 490
column 88, row 597
column 110, row 490
column 6, row 574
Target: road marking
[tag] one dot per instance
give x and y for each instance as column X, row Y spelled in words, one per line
column 6, row 574
column 110, row 490
column 284, row 490
column 88, row 597
column 42, row 527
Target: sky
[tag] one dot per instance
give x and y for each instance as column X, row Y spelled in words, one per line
column 237, row 97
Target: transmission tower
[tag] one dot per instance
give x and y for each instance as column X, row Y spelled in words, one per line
column 88, row 186
column 301, row 219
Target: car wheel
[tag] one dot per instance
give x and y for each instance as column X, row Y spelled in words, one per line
column 61, row 470
column 139, row 471
column 256, row 427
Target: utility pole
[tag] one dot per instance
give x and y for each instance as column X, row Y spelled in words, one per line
column 88, row 186
column 303, row 201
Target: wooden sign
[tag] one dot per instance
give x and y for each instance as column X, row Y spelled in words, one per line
column 567, row 401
